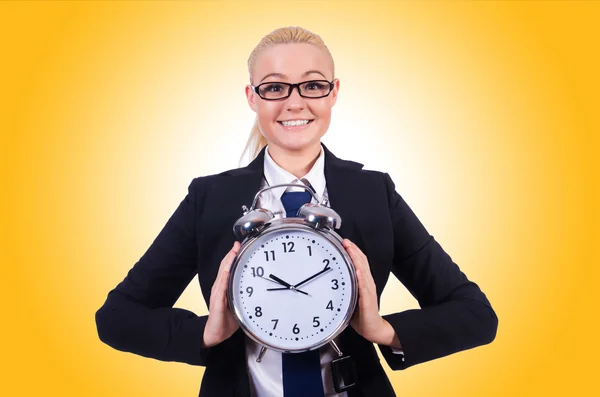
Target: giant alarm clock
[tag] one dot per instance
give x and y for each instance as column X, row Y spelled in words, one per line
column 292, row 286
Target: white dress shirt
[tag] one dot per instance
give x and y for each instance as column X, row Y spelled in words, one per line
column 266, row 378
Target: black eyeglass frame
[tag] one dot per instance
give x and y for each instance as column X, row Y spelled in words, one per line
column 291, row 88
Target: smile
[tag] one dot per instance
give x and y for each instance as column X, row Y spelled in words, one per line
column 295, row 123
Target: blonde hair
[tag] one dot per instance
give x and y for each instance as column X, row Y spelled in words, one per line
column 286, row 35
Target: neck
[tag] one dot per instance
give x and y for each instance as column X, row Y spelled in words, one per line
column 297, row 163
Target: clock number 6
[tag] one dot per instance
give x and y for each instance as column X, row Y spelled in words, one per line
column 296, row 330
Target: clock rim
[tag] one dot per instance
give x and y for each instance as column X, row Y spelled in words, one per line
column 295, row 224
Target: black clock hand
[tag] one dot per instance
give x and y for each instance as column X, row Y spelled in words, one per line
column 268, row 279
column 313, row 276
column 287, row 285
column 284, row 288
column 280, row 281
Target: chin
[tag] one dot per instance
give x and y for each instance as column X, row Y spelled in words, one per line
column 297, row 145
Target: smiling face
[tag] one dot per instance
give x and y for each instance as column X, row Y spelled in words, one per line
column 292, row 63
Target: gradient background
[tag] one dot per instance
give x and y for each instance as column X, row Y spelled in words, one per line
column 486, row 114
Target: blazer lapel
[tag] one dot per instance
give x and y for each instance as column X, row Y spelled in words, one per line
column 245, row 184
column 234, row 193
column 345, row 195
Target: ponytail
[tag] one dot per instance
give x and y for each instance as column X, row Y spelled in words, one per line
column 256, row 141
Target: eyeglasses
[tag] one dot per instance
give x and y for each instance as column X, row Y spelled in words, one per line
column 272, row 91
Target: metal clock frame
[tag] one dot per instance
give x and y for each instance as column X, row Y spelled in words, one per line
column 307, row 223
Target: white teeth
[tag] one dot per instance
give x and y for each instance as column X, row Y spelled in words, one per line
column 294, row 123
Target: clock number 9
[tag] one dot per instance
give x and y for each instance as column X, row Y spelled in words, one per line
column 249, row 290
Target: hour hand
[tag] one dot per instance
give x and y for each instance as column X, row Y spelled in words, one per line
column 280, row 281
column 287, row 285
column 269, row 280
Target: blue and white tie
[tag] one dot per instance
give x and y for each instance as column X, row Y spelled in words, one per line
column 301, row 371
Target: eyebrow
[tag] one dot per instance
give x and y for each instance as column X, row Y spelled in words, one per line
column 283, row 76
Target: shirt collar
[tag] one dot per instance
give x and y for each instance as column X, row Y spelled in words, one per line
column 275, row 175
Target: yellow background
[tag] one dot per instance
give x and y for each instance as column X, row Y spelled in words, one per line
column 486, row 114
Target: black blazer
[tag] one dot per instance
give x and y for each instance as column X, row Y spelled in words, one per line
column 138, row 315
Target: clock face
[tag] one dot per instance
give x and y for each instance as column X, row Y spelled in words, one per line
column 293, row 288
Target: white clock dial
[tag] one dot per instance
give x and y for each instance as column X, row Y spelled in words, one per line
column 292, row 289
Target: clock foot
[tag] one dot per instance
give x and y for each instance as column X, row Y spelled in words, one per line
column 336, row 348
column 263, row 350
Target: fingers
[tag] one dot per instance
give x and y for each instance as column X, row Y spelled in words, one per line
column 361, row 265
column 355, row 253
column 358, row 258
column 221, row 323
column 228, row 259
column 219, row 288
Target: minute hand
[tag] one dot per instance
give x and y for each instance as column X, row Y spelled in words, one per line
column 313, row 276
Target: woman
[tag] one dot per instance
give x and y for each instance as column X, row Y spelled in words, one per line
column 292, row 90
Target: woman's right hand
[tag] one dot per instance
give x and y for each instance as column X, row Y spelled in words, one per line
column 221, row 323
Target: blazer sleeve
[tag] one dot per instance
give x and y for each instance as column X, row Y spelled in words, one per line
column 138, row 314
column 455, row 314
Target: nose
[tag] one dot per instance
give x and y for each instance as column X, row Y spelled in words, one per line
column 295, row 101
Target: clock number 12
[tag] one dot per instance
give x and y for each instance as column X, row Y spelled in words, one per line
column 288, row 247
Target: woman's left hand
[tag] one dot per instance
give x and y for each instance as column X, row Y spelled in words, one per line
column 366, row 320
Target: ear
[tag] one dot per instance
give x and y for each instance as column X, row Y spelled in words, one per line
column 334, row 92
column 251, row 97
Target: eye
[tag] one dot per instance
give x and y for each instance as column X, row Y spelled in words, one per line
column 273, row 87
column 315, row 85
